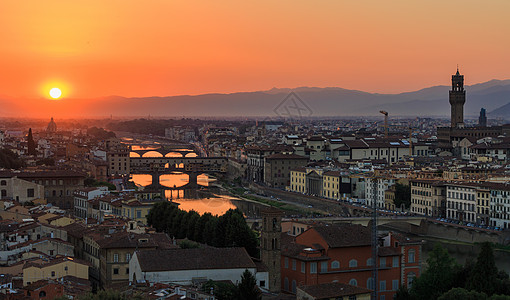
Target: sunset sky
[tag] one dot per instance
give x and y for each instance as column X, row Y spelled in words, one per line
column 97, row 48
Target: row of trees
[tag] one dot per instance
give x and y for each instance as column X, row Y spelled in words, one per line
column 10, row 160
column 228, row 230
column 446, row 280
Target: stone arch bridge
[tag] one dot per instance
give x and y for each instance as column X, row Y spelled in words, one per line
column 193, row 166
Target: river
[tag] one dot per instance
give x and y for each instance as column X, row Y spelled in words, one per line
column 207, row 198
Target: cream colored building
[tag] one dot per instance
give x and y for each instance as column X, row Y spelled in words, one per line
column 55, row 269
column 428, row 197
column 20, row 190
column 298, row 180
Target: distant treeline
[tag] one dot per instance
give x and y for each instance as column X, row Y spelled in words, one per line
column 10, row 160
column 228, row 230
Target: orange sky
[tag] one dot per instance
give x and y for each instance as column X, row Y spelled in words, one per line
column 94, row 48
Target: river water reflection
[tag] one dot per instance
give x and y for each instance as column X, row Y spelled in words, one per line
column 206, row 198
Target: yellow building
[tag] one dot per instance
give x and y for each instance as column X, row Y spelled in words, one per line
column 55, row 269
column 428, row 197
column 298, row 180
column 483, row 196
column 331, row 181
column 136, row 210
column 389, row 198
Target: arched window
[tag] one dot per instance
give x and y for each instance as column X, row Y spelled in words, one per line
column 353, row 263
column 42, row 294
column 353, row 282
column 286, row 284
column 410, row 279
column 335, row 264
column 4, row 193
column 411, row 254
column 294, row 286
column 370, row 261
column 370, row 283
column 3, row 182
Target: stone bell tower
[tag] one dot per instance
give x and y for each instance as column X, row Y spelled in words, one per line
column 270, row 251
column 457, row 100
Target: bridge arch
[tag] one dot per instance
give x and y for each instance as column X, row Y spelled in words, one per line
column 191, row 154
column 174, row 154
column 134, row 154
column 152, row 154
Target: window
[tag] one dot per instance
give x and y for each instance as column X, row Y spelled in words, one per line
column 353, row 297
column 4, row 193
column 128, row 257
column 383, row 297
column 30, row 193
column 353, row 282
column 115, row 257
column 127, row 270
column 52, row 273
column 42, row 294
column 395, row 262
column 353, row 263
column 262, row 283
column 411, row 257
column 370, row 262
column 313, row 268
column 382, row 262
column 138, row 214
column 370, row 283
column 303, row 267
column 394, row 284
column 65, row 268
column 286, row 262
column 286, row 284
column 410, row 279
column 116, row 271
column 335, row 264
column 294, row 286
column 382, row 285
column 324, row 266
column 294, row 265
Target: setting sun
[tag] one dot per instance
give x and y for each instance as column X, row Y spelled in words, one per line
column 55, row 93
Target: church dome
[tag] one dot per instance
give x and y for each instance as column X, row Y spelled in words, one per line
column 52, row 127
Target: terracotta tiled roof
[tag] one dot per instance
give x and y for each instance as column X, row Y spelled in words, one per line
column 194, row 259
column 344, row 235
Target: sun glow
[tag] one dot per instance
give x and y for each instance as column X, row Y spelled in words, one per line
column 55, row 93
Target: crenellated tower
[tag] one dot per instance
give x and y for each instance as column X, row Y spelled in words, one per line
column 457, row 100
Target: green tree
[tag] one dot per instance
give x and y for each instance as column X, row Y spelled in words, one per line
column 220, row 290
column 247, row 289
column 31, row 143
column 483, row 278
column 402, row 293
column 462, row 294
column 10, row 160
column 500, row 297
column 194, row 217
column 438, row 278
column 402, row 195
column 187, row 244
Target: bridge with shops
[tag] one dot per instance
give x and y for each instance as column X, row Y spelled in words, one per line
column 193, row 166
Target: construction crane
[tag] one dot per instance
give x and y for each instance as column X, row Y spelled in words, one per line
column 385, row 113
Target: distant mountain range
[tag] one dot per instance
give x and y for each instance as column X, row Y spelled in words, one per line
column 493, row 95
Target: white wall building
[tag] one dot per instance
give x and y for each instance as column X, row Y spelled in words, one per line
column 182, row 266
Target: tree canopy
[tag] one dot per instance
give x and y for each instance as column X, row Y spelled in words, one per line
column 228, row 230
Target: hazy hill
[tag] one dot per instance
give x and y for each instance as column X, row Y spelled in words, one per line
column 493, row 95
